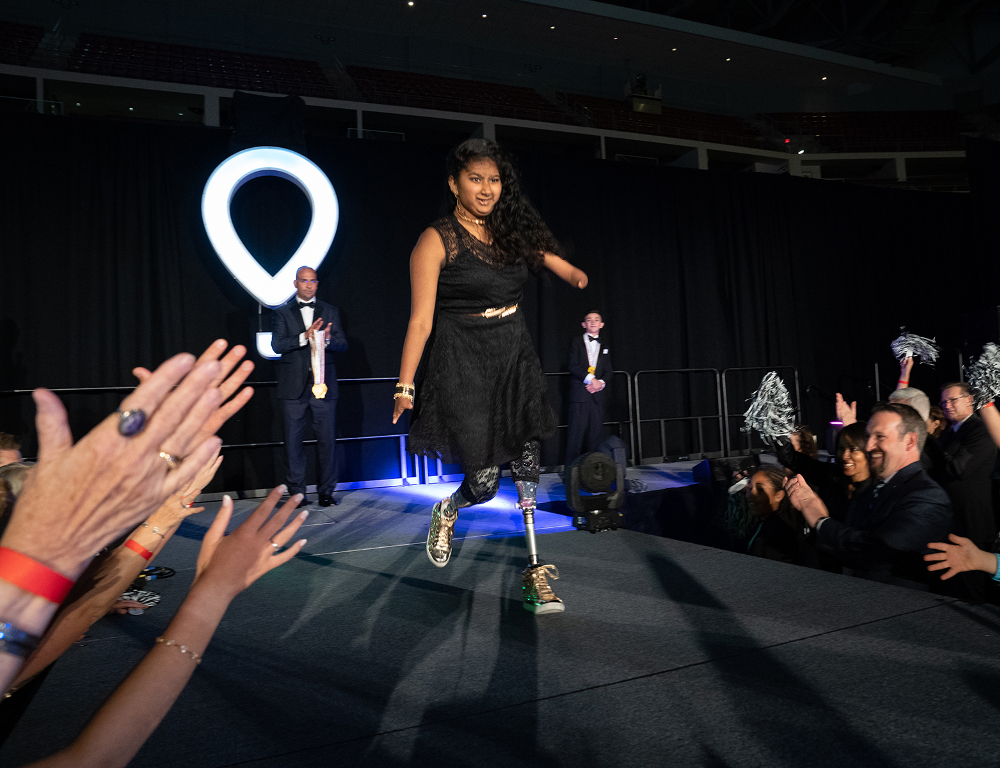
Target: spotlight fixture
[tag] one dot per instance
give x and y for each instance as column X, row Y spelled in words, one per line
column 130, row 109
column 824, row 78
column 410, row 3
column 484, row 15
column 589, row 492
column 802, row 151
column 78, row 103
column 728, row 59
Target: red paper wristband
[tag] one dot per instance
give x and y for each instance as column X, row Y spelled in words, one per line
column 903, row 381
column 31, row 576
column 988, row 405
column 138, row 549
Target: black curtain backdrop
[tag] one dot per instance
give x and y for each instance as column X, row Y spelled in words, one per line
column 106, row 266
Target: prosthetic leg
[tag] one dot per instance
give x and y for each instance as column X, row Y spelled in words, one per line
column 538, row 595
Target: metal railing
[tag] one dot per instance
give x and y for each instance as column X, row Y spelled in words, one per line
column 425, row 470
column 725, row 398
column 639, row 455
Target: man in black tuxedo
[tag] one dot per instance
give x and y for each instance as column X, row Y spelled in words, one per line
column 589, row 368
column 292, row 326
column 888, row 525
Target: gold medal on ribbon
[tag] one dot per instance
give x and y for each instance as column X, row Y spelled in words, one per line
column 317, row 355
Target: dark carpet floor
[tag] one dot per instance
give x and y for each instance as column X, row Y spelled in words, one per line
column 669, row 654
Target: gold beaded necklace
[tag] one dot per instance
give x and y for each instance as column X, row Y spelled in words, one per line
column 478, row 222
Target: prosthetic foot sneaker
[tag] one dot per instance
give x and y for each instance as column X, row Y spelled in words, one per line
column 443, row 518
column 538, row 595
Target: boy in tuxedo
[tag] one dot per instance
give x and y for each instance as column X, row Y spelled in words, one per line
column 590, row 368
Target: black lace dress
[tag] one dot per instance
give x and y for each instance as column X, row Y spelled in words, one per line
column 480, row 390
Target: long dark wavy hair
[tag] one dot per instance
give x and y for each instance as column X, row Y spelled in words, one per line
column 515, row 227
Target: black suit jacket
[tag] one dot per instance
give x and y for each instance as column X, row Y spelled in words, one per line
column 883, row 538
column 962, row 463
column 294, row 371
column 578, row 364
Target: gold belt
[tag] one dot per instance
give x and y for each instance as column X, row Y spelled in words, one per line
column 496, row 312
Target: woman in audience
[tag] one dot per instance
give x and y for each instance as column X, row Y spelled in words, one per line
column 779, row 535
column 834, row 483
column 937, row 422
column 226, row 566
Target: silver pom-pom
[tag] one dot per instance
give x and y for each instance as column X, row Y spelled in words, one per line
column 771, row 412
column 911, row 345
column 983, row 376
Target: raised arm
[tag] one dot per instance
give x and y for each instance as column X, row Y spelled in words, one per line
column 108, row 576
column 226, row 566
column 425, row 266
column 566, row 271
column 991, row 418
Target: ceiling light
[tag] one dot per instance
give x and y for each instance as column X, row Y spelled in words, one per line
column 410, row 3
column 802, row 151
column 78, row 103
column 824, row 78
column 673, row 49
column 727, row 59
column 551, row 27
column 484, row 15
column 130, row 109
column 616, row 38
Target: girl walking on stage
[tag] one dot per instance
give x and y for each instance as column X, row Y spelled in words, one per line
column 480, row 399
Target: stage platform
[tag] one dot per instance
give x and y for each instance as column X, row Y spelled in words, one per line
column 361, row 653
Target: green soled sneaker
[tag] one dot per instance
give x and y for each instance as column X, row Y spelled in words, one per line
column 538, row 595
column 443, row 518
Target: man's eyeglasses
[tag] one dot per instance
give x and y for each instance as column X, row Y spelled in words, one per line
column 952, row 400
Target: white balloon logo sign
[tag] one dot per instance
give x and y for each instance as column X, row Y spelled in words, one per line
column 217, row 198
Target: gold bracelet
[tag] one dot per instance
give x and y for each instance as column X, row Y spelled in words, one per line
column 195, row 656
column 404, row 390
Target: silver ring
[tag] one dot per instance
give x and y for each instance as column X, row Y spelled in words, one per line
column 276, row 546
column 172, row 461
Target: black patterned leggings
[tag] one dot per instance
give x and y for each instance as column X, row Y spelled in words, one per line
column 482, row 485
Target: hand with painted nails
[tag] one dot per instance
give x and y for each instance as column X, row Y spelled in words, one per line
column 232, row 563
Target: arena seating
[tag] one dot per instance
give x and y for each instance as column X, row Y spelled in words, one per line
column 409, row 89
column 876, row 131
column 121, row 57
column 18, row 42
column 676, row 123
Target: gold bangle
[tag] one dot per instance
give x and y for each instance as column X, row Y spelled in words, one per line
column 195, row 656
column 404, row 390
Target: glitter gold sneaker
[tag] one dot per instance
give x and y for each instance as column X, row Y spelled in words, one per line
column 538, row 595
column 443, row 518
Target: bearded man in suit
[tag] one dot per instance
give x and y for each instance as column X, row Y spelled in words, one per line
column 887, row 526
column 292, row 326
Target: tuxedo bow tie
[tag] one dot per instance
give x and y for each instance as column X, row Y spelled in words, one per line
column 310, row 304
column 593, row 338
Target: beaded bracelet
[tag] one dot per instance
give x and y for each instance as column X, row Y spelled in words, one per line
column 404, row 390
column 17, row 641
column 31, row 576
column 195, row 656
